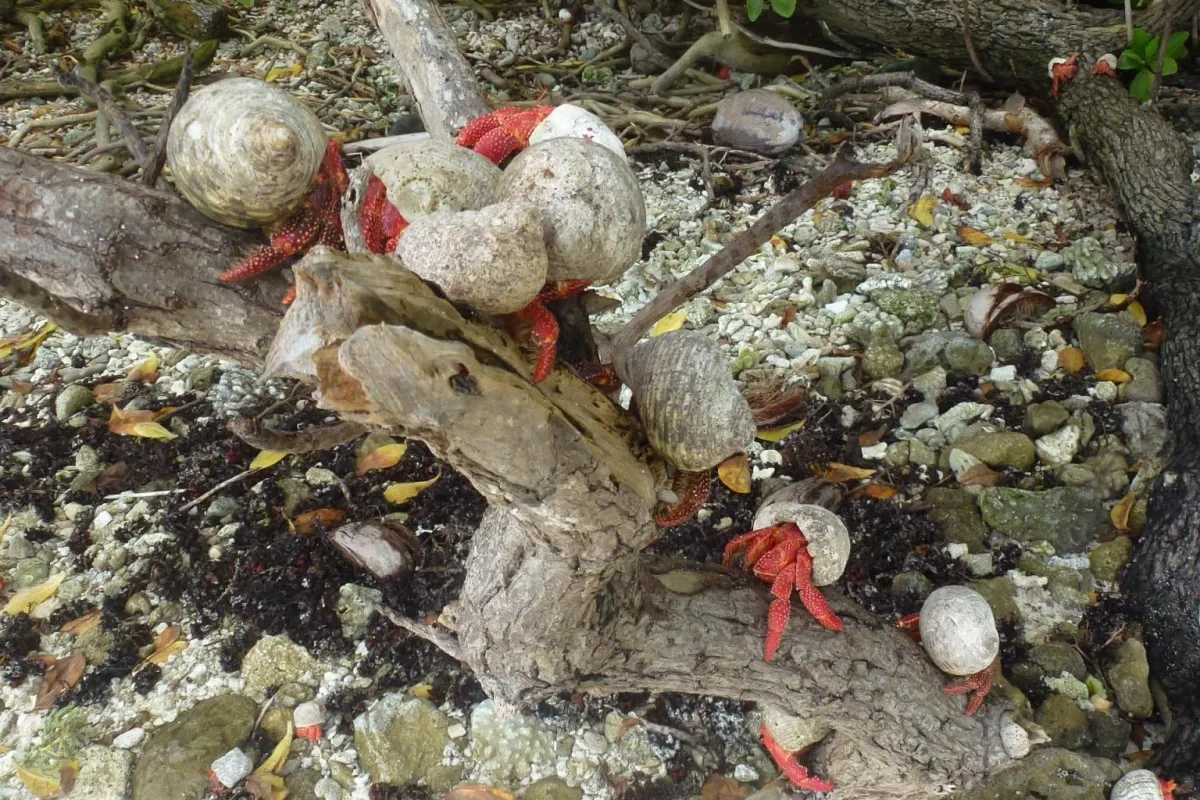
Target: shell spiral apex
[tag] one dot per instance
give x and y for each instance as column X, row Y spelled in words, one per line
column 958, row 630
column 244, row 152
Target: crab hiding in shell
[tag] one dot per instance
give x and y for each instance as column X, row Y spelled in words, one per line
column 498, row 135
column 1062, row 70
column 786, row 738
column 249, row 155
column 1142, row 784
column 794, row 547
column 957, row 630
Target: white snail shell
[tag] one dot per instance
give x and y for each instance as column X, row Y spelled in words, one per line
column 1014, row 738
column 828, row 539
column 593, row 214
column 308, row 714
column 1141, row 784
column 958, row 630
column 232, row 768
column 578, row 123
column 692, row 411
column 492, row 259
column 244, row 152
column 422, row 177
column 792, row 732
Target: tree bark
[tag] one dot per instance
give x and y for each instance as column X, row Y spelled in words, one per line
column 96, row 253
column 1148, row 166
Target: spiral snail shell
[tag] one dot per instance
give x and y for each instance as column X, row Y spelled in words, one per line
column 593, row 214
column 692, row 411
column 244, row 152
column 1140, row 784
column 421, row 177
column 579, row 123
column 958, row 630
column 793, row 733
column 828, row 539
column 1014, row 738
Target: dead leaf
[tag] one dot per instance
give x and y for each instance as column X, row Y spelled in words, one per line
column 1072, row 360
column 1114, row 375
column 979, row 475
column 399, row 493
column 1154, row 334
column 1137, row 312
column 671, row 322
column 1019, row 239
column 843, row 473
column 735, row 473
column 26, row 343
column 779, row 434
column 871, row 438
column 1036, row 183
column 384, row 457
column 880, row 491
column 26, row 600
column 145, row 372
column 281, row 73
column 59, row 679
column 141, row 423
column 422, row 691
column 265, row 783
column 306, row 523
column 113, row 478
column 922, row 210
column 81, row 625
column 267, row 458
column 974, row 237
column 477, row 791
column 778, row 241
column 44, row 786
column 166, row 644
column 107, row 392
column 719, row 787
column 1120, row 512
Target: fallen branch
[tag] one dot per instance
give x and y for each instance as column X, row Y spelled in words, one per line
column 159, row 156
column 309, row 440
column 110, row 108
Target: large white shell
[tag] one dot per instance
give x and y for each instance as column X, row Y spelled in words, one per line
column 1014, row 738
column 308, row 714
column 828, row 539
column 232, row 768
column 244, row 152
column 958, row 630
column 692, row 411
column 593, row 215
column 578, row 123
column 422, row 177
column 1141, row 784
column 792, row 732
column 492, row 259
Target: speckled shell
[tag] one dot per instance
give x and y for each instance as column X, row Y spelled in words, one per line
column 958, row 630
column 573, row 121
column 593, row 215
column 245, row 153
column 1141, row 784
column 810, row 491
column 308, row 714
column 793, row 733
column 828, row 539
column 1014, row 738
column 692, row 411
column 492, row 259
column 422, row 177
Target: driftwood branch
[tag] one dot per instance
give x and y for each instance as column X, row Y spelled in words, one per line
column 111, row 109
column 159, row 155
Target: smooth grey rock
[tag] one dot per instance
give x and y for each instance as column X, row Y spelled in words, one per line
column 1001, row 450
column 759, row 120
column 955, row 351
column 1129, row 674
column 955, row 511
column 1050, row 772
column 400, row 740
column 922, row 454
column 1044, row 418
column 71, row 400
column 931, row 383
column 1108, row 340
column 175, row 759
column 1006, row 344
column 1063, row 720
column 917, row 415
column 1110, row 558
column 1145, row 386
column 912, row 586
column 1060, row 447
column 1066, row 517
column 1093, row 265
column 1145, row 428
column 1110, row 735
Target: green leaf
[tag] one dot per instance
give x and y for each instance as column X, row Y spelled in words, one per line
column 1140, row 39
column 1175, row 48
column 1150, row 51
column 784, row 8
column 1130, row 60
column 754, row 9
column 1170, row 66
column 1140, row 88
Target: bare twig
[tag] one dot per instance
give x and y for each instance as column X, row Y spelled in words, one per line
column 634, row 33
column 975, row 150
column 159, row 156
column 780, row 45
column 241, row 476
column 305, row 441
column 964, row 22
column 109, row 106
column 1164, row 36
column 447, row 643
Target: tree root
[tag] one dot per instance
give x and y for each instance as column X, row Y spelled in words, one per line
column 309, row 440
column 732, row 51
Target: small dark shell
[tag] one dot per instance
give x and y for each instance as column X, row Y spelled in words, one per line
column 693, row 413
column 384, row 548
column 810, row 491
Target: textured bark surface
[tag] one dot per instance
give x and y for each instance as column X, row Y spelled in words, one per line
column 97, row 253
column 1148, row 165
column 438, row 76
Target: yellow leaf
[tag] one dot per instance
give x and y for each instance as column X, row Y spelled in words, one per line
column 817, row 217
column 1114, row 375
column 25, row 600
column 1138, row 313
column 167, row 644
column 1117, row 299
column 151, row 430
column 974, row 237
column 841, row 473
column 267, row 458
column 279, row 73
column 399, row 493
column 1120, row 512
column 40, row 785
column 778, row 242
column 1071, row 359
column 422, row 691
column 671, row 322
column 383, row 457
column 278, row 756
column 735, row 473
column 922, row 210
column 145, row 371
column 26, row 341
column 1019, row 239
column 779, row 434
column 4, row 527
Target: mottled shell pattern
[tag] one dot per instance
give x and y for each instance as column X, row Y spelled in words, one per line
column 792, row 732
column 810, row 491
column 492, row 259
column 692, row 411
column 244, row 152
column 593, row 214
column 958, row 630
column 828, row 539
column 1141, row 784
column 422, row 177
column 579, row 123
column 1014, row 738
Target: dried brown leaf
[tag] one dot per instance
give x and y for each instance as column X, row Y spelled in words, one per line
column 880, row 491
column 719, row 787
column 477, row 791
column 1153, row 334
column 59, row 679
column 1072, row 360
column 843, row 473
column 735, row 473
column 145, row 372
column 107, row 392
column 1114, row 375
column 979, row 475
column 872, row 438
column 328, row 518
column 166, row 644
column 1120, row 512
column 81, row 625
column 974, row 237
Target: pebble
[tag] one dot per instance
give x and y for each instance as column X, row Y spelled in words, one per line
column 1145, row 386
column 70, row 400
column 1060, row 447
column 758, row 120
column 130, row 738
column 917, row 415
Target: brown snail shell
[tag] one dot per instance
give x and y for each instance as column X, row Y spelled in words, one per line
column 422, row 177
column 828, row 539
column 997, row 303
column 384, row 548
column 244, row 152
column 692, row 411
column 492, row 259
column 810, row 491
column 593, row 214
column 1140, row 784
column 958, row 630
